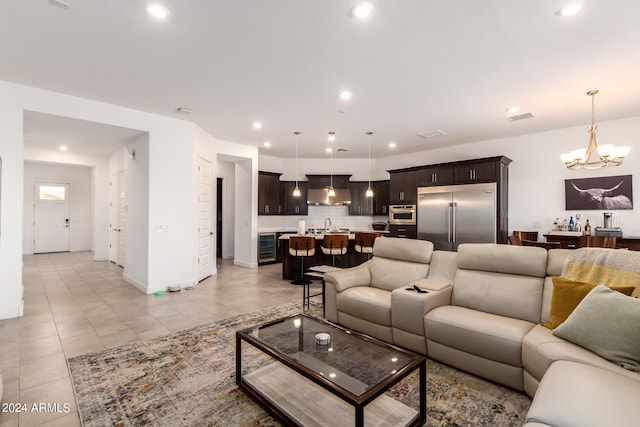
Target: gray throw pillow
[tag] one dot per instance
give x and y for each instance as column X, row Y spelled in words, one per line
column 607, row 323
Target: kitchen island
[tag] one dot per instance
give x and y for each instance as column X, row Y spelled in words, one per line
column 291, row 264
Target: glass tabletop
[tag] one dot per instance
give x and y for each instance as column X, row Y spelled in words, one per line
column 349, row 360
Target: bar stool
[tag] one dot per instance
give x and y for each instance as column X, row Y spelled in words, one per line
column 302, row 246
column 334, row 245
column 364, row 243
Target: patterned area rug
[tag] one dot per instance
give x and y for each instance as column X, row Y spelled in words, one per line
column 188, row 379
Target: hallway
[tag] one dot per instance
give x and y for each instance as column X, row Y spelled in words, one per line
column 74, row 306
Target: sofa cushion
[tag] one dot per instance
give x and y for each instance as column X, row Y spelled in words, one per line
column 500, row 279
column 566, row 296
column 574, row 394
column 483, row 334
column 364, row 302
column 409, row 250
column 508, row 295
column 507, row 259
column 607, row 323
column 390, row 274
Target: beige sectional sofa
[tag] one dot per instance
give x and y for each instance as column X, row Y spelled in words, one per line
column 482, row 314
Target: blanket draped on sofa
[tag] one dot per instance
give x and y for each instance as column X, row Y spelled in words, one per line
column 612, row 267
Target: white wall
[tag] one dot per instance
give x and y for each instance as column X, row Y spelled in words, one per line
column 136, row 170
column 79, row 179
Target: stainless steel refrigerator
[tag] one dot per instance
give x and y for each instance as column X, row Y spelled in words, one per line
column 455, row 214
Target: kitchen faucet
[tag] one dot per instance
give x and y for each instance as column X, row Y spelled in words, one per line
column 325, row 223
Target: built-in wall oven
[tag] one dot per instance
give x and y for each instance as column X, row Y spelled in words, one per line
column 402, row 214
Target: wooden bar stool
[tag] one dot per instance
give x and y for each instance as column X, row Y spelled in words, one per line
column 364, row 243
column 334, row 245
column 302, row 246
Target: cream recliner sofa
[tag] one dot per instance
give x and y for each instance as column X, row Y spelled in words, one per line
column 482, row 315
column 362, row 297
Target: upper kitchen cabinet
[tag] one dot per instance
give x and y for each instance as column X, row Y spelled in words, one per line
column 403, row 186
column 269, row 202
column 380, row 197
column 294, row 205
column 435, row 175
column 360, row 203
column 481, row 170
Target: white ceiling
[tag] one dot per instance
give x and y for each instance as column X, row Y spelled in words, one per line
column 414, row 66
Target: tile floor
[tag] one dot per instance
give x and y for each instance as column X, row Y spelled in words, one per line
column 74, row 306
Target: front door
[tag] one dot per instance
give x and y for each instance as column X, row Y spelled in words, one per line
column 51, row 219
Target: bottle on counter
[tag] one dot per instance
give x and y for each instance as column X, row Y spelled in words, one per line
column 587, row 228
column 565, row 225
column 556, row 225
column 572, row 225
column 578, row 226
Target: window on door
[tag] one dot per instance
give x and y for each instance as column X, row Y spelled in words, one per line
column 50, row 192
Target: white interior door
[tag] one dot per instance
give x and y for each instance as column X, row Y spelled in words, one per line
column 51, row 218
column 122, row 218
column 206, row 252
column 113, row 218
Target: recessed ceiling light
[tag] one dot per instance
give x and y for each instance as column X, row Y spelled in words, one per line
column 513, row 110
column 257, row 125
column 392, row 145
column 157, row 11
column 328, row 150
column 570, row 9
column 362, row 10
column 267, row 144
column 345, row 95
column 63, row 148
column 331, row 137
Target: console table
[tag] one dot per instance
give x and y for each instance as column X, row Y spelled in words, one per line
column 573, row 242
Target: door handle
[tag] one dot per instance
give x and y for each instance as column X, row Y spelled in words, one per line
column 211, row 233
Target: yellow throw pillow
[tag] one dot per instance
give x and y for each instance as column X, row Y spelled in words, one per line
column 566, row 296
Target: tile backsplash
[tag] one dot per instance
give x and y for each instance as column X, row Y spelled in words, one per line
column 339, row 218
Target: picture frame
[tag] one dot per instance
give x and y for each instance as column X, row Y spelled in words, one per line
column 602, row 193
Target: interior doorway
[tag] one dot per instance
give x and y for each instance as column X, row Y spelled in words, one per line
column 51, row 218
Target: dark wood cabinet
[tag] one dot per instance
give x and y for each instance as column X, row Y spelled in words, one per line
column 380, row 197
column 360, row 203
column 403, row 231
column 269, row 193
column 324, row 181
column 472, row 172
column 294, row 205
column 403, row 186
column 435, row 175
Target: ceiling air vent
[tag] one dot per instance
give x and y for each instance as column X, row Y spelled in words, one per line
column 520, row 117
column 430, row 134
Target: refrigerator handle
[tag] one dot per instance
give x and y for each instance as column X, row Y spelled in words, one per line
column 449, row 223
column 453, row 221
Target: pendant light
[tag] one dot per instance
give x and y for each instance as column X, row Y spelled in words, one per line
column 332, row 191
column 608, row 155
column 369, row 192
column 296, row 191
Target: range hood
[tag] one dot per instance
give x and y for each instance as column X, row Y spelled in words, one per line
column 320, row 197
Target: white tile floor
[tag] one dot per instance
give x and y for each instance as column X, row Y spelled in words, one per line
column 74, row 306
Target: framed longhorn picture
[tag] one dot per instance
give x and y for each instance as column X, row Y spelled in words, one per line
column 604, row 193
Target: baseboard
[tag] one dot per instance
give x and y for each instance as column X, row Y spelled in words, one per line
column 135, row 282
column 246, row 264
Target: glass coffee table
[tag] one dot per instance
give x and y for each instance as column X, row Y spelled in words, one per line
column 309, row 372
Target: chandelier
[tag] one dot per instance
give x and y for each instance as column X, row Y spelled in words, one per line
column 609, row 154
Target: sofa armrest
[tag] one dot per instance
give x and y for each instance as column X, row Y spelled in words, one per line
column 409, row 307
column 349, row 277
